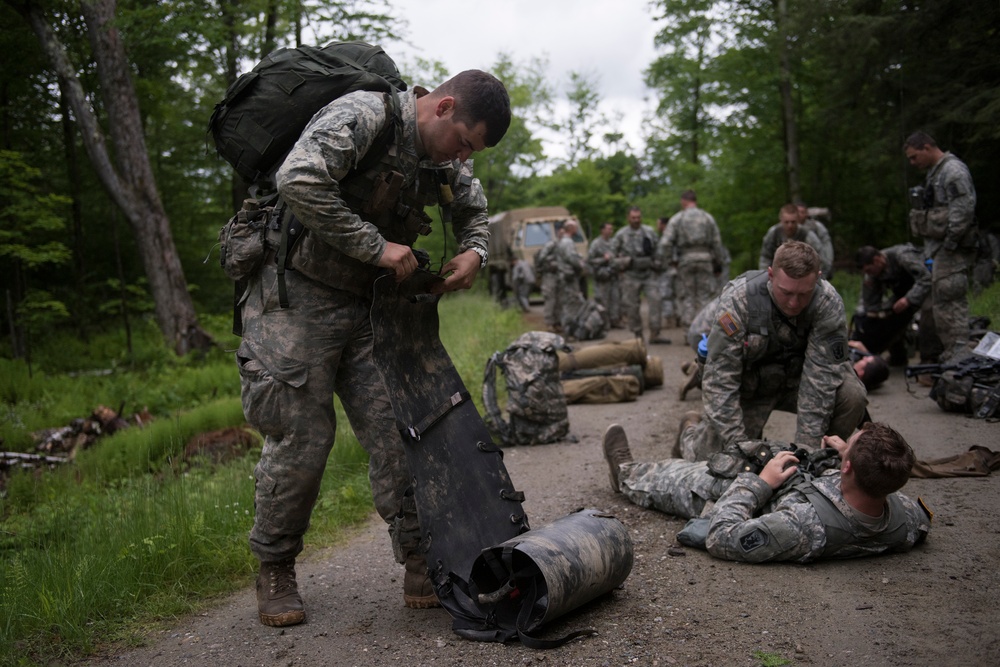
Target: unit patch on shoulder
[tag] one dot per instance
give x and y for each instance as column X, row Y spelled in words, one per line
column 837, row 345
column 728, row 324
column 753, row 540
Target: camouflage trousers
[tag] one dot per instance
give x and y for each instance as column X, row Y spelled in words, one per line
column 699, row 441
column 633, row 286
column 681, row 488
column 571, row 301
column 669, row 292
column 697, row 287
column 292, row 361
column 608, row 293
column 949, row 306
column 552, row 299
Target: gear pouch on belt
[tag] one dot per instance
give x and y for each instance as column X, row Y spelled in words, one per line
column 242, row 240
column 929, row 224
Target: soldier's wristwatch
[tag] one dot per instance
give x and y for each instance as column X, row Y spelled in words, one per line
column 483, row 256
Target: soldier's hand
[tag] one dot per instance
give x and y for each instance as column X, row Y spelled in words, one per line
column 462, row 269
column 779, row 469
column 836, row 442
column 901, row 305
column 399, row 259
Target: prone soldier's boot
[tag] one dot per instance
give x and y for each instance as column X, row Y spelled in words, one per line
column 616, row 452
column 687, row 421
column 278, row 600
column 418, row 591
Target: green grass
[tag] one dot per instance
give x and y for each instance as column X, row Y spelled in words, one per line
column 130, row 535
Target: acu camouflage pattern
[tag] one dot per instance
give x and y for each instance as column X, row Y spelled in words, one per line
column 349, row 224
column 825, row 249
column 775, row 236
column 640, row 276
column 801, row 366
column 693, row 238
column 949, row 185
column 607, row 287
column 753, row 524
column 905, row 275
column 536, row 404
column 292, row 360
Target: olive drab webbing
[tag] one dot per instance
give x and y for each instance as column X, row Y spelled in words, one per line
column 536, row 404
column 838, row 527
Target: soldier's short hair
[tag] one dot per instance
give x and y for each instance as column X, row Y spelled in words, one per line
column 789, row 209
column 918, row 140
column 866, row 255
column 875, row 372
column 796, row 258
column 480, row 97
column 881, row 459
column 689, row 195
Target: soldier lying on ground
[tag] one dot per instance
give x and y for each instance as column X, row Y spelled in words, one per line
column 783, row 513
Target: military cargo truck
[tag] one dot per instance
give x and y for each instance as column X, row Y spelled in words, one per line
column 521, row 233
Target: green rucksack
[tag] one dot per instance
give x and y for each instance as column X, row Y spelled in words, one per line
column 265, row 110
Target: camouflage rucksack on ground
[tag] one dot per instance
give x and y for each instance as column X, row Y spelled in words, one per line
column 536, row 404
column 587, row 322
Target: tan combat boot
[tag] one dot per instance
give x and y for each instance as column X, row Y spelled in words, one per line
column 278, row 600
column 418, row 591
column 616, row 452
column 687, row 421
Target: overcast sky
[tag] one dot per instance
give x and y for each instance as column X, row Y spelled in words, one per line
column 610, row 41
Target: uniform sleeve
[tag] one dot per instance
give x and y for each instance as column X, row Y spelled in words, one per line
column 333, row 143
column 961, row 193
column 723, row 370
column 767, row 249
column 913, row 263
column 718, row 252
column 787, row 532
column 825, row 259
column 871, row 293
column 469, row 215
column 824, row 367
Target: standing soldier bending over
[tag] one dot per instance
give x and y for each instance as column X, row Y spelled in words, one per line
column 292, row 360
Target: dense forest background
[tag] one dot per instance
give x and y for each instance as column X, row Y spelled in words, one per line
column 111, row 197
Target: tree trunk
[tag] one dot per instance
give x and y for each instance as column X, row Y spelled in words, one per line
column 130, row 182
column 792, row 167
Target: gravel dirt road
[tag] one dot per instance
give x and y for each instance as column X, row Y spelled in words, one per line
column 938, row 605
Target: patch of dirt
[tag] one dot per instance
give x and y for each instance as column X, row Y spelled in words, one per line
column 936, row 605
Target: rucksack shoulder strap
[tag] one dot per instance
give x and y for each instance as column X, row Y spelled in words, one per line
column 758, row 303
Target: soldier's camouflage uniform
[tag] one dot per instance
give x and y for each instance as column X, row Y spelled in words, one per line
column 904, row 275
column 949, row 184
column 751, row 523
column 798, row 366
column 775, row 236
column 692, row 237
column 292, row 360
column 641, row 276
column 607, row 288
column 572, row 269
column 825, row 249
column 522, row 278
